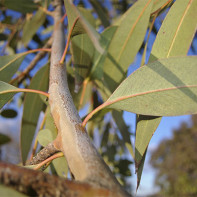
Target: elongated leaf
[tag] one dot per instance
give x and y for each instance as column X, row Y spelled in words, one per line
column 23, row 6
column 9, row 65
column 160, row 4
column 82, row 53
column 4, row 139
column 167, row 87
column 31, row 26
column 82, row 25
column 177, row 31
column 124, row 130
column 6, row 191
column 126, row 42
column 102, row 14
column 32, row 107
column 97, row 69
column 4, row 95
column 61, row 166
column 177, row 42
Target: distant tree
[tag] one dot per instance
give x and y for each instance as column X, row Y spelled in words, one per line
column 176, row 162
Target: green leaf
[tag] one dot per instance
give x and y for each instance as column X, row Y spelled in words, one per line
column 126, row 42
column 158, row 4
column 82, row 53
column 4, row 139
column 102, row 13
column 9, row 113
column 97, row 68
column 32, row 25
column 23, row 6
column 61, row 166
column 32, row 108
column 6, row 191
column 177, row 31
column 5, row 94
column 9, row 65
column 45, row 136
column 124, row 130
column 166, row 87
column 82, row 25
column 175, row 37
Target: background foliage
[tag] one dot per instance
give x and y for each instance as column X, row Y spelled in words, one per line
column 104, row 43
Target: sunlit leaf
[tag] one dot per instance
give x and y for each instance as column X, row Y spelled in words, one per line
column 32, row 108
column 167, row 87
column 4, row 96
column 9, row 65
column 126, row 42
column 177, row 30
column 175, row 37
column 160, row 4
column 45, row 136
column 31, row 26
column 61, row 166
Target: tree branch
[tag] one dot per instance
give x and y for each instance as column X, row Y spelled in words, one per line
column 36, row 183
column 83, row 159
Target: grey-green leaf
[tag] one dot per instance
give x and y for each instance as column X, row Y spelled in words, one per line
column 126, row 42
column 166, row 87
column 32, row 108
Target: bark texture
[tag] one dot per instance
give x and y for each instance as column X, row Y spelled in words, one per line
column 83, row 159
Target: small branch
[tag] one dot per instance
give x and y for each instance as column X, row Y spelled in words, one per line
column 68, row 40
column 33, row 63
column 49, row 160
column 45, row 153
column 36, row 183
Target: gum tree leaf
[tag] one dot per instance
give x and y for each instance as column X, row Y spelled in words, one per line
column 4, row 139
column 166, row 87
column 6, row 191
column 126, row 42
column 32, row 108
column 4, row 95
column 32, row 25
column 22, row 6
column 9, row 65
column 175, row 36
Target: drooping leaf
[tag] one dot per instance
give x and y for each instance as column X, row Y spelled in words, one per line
column 126, row 42
column 7, row 191
column 124, row 130
column 82, row 53
column 31, row 26
column 5, row 93
column 160, row 4
column 177, row 30
column 4, row 139
column 175, row 36
column 23, row 6
column 99, row 9
column 82, row 25
column 9, row 65
column 166, row 87
column 9, row 113
column 32, row 108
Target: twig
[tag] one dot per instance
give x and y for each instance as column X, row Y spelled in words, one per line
column 45, row 153
column 33, row 63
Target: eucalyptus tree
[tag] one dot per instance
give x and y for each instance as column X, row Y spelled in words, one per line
column 90, row 71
